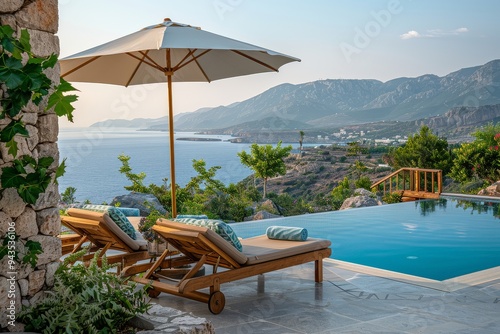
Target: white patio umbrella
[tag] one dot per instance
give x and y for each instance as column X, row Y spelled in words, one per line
column 169, row 52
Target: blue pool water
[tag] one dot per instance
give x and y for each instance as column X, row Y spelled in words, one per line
column 435, row 239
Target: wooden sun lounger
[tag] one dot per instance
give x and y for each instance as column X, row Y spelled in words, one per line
column 103, row 234
column 202, row 246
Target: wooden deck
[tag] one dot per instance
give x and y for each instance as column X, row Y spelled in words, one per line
column 412, row 183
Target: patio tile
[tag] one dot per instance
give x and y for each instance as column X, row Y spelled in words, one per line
column 259, row 326
column 311, row 320
column 363, row 328
column 289, row 301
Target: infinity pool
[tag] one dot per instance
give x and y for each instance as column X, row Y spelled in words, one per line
column 435, row 239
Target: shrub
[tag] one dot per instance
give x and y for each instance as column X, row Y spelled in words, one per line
column 392, row 198
column 86, row 300
column 363, row 182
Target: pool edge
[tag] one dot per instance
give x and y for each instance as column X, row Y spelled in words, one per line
column 449, row 285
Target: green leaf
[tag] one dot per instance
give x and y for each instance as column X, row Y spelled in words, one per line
column 24, row 41
column 12, row 73
column 45, row 162
column 18, row 99
column 50, row 61
column 12, row 129
column 36, row 81
column 61, row 170
column 6, row 32
column 26, row 159
column 30, row 193
column 11, row 178
column 34, row 249
column 60, row 102
column 12, row 146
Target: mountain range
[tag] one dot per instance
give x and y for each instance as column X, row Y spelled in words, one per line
column 332, row 103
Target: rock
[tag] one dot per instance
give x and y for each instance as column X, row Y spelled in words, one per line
column 48, row 221
column 22, row 146
column 169, row 320
column 30, row 118
column 49, row 150
column 358, row 202
column 23, row 286
column 363, row 191
column 38, row 297
column 51, row 247
column 36, row 280
column 269, row 206
column 8, row 20
column 39, row 15
column 5, row 220
column 50, row 271
column 43, row 44
column 493, row 190
column 48, row 128
column 48, row 199
column 10, row 6
column 262, row 215
column 11, row 203
column 26, row 224
column 137, row 200
column 32, row 140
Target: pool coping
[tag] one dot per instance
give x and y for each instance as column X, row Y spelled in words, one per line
column 449, row 285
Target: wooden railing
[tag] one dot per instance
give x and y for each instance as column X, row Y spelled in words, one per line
column 412, row 183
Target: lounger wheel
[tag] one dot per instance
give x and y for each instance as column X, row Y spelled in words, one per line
column 216, row 302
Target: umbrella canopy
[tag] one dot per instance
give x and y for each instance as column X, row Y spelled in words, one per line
column 170, row 52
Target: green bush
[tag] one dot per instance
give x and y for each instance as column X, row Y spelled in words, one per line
column 392, row 198
column 86, row 300
column 363, row 182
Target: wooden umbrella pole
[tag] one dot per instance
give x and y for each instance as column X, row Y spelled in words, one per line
column 169, row 74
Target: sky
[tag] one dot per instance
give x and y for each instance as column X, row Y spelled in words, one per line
column 335, row 39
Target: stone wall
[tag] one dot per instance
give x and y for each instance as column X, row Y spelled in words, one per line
column 40, row 222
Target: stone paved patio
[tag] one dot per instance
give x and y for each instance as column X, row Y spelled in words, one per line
column 289, row 301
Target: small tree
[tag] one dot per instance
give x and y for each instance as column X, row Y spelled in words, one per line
column 341, row 192
column 479, row 159
column 68, row 196
column 266, row 161
column 301, row 140
column 423, row 150
column 355, row 149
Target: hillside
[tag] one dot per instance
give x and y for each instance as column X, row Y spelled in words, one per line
column 343, row 102
column 325, row 105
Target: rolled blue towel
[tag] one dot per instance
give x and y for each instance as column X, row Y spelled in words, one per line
column 129, row 212
column 286, row 233
column 193, row 216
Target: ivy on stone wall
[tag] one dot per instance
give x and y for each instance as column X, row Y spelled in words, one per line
column 23, row 81
column 22, row 74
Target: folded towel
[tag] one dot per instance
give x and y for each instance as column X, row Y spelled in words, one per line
column 286, row 233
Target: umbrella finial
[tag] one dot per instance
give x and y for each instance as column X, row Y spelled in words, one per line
column 167, row 19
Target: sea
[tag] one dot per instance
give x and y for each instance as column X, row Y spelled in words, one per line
column 93, row 167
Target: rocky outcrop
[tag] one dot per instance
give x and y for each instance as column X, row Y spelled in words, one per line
column 262, row 215
column 362, row 198
column 493, row 190
column 144, row 202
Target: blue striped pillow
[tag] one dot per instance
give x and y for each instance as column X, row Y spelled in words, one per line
column 219, row 227
column 116, row 215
